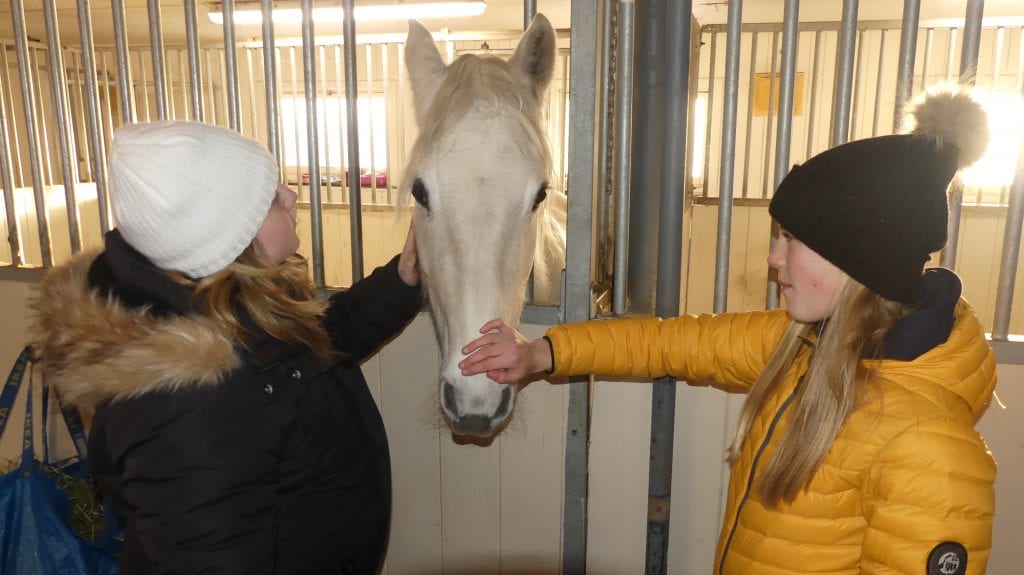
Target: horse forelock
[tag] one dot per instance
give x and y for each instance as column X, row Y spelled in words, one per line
column 486, row 85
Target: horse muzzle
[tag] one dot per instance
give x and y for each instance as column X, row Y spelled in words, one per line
column 470, row 412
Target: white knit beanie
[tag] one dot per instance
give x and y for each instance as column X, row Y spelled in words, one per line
column 189, row 196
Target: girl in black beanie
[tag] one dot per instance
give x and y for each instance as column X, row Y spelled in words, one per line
column 856, row 450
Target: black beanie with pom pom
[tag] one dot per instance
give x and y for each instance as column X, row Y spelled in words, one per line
column 876, row 208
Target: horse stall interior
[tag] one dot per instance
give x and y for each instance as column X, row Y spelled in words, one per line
column 681, row 125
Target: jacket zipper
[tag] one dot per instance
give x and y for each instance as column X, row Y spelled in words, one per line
column 753, row 469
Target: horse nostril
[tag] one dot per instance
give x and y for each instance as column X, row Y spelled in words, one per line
column 448, row 400
column 479, row 425
column 506, row 403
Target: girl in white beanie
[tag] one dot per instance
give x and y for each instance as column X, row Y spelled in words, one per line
column 233, row 429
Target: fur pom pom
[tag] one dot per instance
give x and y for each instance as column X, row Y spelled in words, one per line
column 954, row 118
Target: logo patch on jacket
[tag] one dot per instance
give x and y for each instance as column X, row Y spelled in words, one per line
column 948, row 558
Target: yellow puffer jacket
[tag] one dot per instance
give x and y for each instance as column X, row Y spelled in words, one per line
column 907, row 478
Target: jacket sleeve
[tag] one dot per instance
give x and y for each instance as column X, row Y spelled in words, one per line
column 363, row 317
column 730, row 349
column 198, row 481
column 928, row 495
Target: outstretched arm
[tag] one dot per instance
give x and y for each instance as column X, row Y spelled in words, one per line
column 731, row 349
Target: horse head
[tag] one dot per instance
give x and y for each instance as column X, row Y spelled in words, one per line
column 478, row 172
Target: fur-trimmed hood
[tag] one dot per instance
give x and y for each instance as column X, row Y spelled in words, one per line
column 92, row 348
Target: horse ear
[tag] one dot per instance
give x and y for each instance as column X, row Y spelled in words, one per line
column 427, row 69
column 534, row 59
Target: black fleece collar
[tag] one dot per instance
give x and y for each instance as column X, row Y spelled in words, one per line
column 123, row 272
column 931, row 323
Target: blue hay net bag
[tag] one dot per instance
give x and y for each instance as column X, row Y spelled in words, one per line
column 35, row 535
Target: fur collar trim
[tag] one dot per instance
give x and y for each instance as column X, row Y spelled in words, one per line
column 92, row 348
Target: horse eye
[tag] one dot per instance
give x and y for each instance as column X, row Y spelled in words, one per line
column 419, row 191
column 542, row 193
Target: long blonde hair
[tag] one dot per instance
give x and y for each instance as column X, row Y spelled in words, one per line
column 825, row 395
column 279, row 298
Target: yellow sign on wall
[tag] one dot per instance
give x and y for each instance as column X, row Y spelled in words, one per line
column 763, row 83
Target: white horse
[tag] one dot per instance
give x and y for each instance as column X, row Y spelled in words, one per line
column 484, row 217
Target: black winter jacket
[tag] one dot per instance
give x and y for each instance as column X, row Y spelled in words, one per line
column 222, row 460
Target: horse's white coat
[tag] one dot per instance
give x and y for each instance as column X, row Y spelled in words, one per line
column 476, row 170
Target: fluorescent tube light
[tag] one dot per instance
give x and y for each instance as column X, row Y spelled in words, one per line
column 404, row 11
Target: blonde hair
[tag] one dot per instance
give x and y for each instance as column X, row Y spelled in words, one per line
column 825, row 395
column 279, row 298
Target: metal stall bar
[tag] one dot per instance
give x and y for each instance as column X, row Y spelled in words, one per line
column 730, row 103
column 648, row 125
column 972, row 42
column 1011, row 251
column 385, row 85
column 109, row 108
column 183, row 75
column 96, row 142
column 44, row 130
column 279, row 141
column 60, row 107
column 339, row 80
column 231, row 65
column 145, row 87
column 709, row 106
column 950, row 52
column 226, row 100
column 172, row 114
column 858, row 85
column 270, row 80
column 929, row 39
column 368, row 48
column 28, row 100
column 195, row 73
column 791, row 15
column 124, row 70
column 812, row 102
column 997, row 61
column 844, row 74
column 604, row 194
column 313, row 150
column 529, row 12
column 250, row 85
column 577, row 299
column 623, row 129
column 905, row 67
column 8, row 98
column 768, row 117
column 670, row 242
column 6, row 170
column 749, row 132
column 400, row 111
column 212, row 108
column 292, row 69
column 968, row 75
column 77, row 129
column 351, row 102
column 156, row 48
column 325, row 97
column 878, row 84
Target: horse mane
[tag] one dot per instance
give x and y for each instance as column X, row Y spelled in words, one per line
column 477, row 82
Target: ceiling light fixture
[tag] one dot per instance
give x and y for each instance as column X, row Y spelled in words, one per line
column 404, row 11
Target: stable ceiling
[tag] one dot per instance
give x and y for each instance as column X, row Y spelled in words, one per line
column 500, row 15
